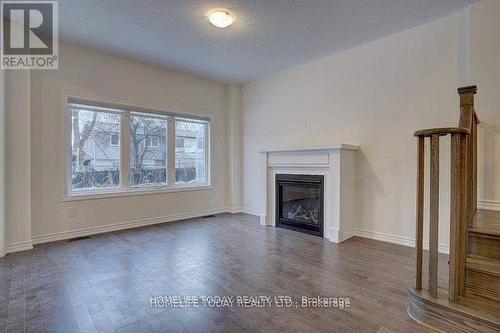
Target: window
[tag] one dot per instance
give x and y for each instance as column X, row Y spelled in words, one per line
column 95, row 162
column 115, row 140
column 152, row 142
column 190, row 155
column 148, row 161
column 163, row 151
column 179, row 143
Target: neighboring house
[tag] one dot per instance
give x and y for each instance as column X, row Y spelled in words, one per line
column 101, row 151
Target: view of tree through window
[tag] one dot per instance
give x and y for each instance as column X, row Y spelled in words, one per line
column 95, row 161
column 105, row 157
column 190, row 154
column 148, row 150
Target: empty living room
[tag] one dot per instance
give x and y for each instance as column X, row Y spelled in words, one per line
column 250, row 166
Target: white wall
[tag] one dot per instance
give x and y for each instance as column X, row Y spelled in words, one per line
column 92, row 74
column 375, row 95
column 485, row 71
column 17, row 161
column 235, row 148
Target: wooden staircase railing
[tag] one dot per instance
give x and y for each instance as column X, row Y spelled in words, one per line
column 473, row 300
column 463, row 203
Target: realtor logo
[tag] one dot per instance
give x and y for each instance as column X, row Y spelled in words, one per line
column 29, row 35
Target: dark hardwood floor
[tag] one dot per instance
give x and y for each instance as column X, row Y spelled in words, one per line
column 105, row 283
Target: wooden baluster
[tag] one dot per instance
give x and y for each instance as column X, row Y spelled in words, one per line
column 473, row 138
column 420, row 210
column 434, row 215
column 457, row 214
column 461, row 248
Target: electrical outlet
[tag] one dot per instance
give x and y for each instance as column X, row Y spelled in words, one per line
column 72, row 212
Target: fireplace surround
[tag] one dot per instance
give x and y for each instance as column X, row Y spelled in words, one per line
column 299, row 203
column 335, row 163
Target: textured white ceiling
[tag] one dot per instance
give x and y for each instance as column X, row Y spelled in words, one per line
column 267, row 36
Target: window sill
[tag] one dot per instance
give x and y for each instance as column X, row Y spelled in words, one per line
column 78, row 196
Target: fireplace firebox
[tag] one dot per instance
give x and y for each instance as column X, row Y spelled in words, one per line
column 299, row 203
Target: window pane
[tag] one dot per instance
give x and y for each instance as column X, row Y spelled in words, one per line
column 95, row 160
column 148, row 150
column 115, row 139
column 190, row 154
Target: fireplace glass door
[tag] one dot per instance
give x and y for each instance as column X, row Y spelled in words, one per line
column 299, row 203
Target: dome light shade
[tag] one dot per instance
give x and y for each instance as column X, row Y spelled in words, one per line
column 220, row 18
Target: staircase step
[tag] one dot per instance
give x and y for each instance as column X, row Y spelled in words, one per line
column 483, row 277
column 468, row 314
column 483, row 265
column 484, row 240
column 486, row 229
column 487, row 247
column 485, row 216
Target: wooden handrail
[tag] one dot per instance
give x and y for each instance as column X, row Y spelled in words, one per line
column 463, row 194
column 441, row 131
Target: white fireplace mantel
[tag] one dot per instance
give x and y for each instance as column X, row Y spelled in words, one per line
column 337, row 163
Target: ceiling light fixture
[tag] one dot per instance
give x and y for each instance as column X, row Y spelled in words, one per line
column 221, row 18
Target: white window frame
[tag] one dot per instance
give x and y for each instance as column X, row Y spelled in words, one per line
column 124, row 189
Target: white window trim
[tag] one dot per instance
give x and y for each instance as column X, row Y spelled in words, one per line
column 125, row 190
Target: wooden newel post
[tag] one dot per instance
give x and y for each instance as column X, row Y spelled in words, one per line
column 464, row 190
column 466, row 97
column 469, row 120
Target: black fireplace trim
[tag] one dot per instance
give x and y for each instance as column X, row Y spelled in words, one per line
column 306, row 181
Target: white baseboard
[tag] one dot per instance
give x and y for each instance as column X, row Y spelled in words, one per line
column 19, row 246
column 251, row 211
column 380, row 236
column 488, row 204
column 123, row 225
column 28, row 245
column 400, row 240
column 338, row 236
column 235, row 210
